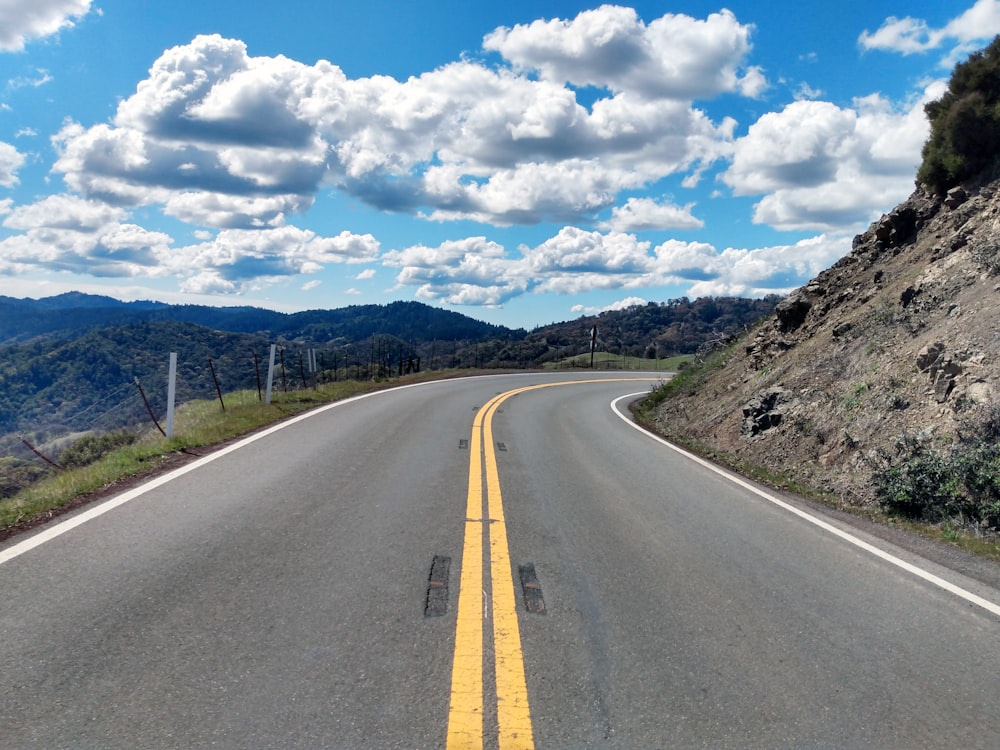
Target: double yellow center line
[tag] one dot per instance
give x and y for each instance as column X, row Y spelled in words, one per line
column 466, row 720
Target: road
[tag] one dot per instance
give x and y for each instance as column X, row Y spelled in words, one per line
column 482, row 563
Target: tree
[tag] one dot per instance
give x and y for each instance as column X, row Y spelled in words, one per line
column 964, row 141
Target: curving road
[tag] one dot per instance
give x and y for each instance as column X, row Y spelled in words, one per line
column 481, row 563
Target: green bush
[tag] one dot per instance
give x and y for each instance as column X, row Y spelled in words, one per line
column 16, row 474
column 964, row 140
column 925, row 486
column 90, row 448
column 962, row 483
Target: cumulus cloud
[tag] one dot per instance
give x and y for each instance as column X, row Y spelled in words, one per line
column 476, row 271
column 63, row 212
column 236, row 145
column 909, row 35
column 473, row 271
column 10, row 161
column 674, row 56
column 224, row 139
column 641, row 214
column 825, row 168
column 777, row 269
column 23, row 20
column 623, row 304
column 69, row 233
column 240, row 260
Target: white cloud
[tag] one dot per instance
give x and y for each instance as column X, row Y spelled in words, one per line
column 11, row 160
column 243, row 259
column 909, row 35
column 40, row 78
column 640, row 214
column 674, row 56
column 777, row 269
column 754, row 83
column 623, row 304
column 107, row 250
column 904, row 35
column 69, row 233
column 475, row 271
column 223, row 139
column 64, row 212
column 63, row 233
column 23, row 20
column 800, row 145
column 824, row 168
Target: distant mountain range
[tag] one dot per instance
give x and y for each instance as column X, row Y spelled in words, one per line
column 24, row 320
column 70, row 363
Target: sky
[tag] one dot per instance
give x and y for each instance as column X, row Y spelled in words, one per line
column 523, row 163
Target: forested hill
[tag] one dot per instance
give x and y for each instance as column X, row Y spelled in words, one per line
column 70, row 363
column 656, row 329
column 70, row 315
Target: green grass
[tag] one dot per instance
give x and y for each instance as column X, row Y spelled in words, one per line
column 607, row 361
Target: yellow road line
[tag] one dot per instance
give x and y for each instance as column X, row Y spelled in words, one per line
column 513, row 712
column 465, row 718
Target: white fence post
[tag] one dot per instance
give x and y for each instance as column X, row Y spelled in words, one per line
column 270, row 374
column 171, row 393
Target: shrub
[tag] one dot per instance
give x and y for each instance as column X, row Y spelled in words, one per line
column 90, row 448
column 924, row 486
column 965, row 123
column 16, row 474
column 962, row 483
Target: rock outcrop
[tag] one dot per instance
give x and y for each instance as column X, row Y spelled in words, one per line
column 900, row 337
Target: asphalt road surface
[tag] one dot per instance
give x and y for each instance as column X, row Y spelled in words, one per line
column 482, row 563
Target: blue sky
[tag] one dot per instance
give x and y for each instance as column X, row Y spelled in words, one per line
column 521, row 163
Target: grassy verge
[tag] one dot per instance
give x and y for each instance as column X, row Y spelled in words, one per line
column 197, row 424
column 607, row 361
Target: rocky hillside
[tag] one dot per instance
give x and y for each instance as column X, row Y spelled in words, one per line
column 893, row 351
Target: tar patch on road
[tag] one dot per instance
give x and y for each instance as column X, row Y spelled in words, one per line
column 463, row 445
column 532, row 589
column 437, row 587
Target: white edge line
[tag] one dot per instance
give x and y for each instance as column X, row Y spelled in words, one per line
column 880, row 553
column 69, row 524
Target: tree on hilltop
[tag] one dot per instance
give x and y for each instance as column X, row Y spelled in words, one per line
column 965, row 123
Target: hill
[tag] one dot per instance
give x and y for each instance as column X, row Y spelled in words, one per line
column 877, row 382
column 71, row 362
column 69, row 315
column 879, row 372
column 656, row 329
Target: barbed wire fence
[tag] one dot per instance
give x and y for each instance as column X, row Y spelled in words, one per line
column 141, row 403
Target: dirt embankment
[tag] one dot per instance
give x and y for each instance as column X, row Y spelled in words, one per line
column 899, row 340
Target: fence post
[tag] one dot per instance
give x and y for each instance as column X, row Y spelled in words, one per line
column 171, row 393
column 216, row 379
column 270, row 374
column 256, row 368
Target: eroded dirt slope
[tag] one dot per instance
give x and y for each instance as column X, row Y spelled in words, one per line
column 899, row 339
